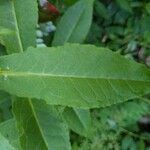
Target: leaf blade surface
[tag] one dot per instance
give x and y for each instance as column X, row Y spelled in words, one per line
column 36, row 119
column 74, row 75
column 13, row 15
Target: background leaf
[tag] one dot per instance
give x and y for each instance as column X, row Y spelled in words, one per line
column 101, row 9
column 40, row 125
column 79, row 120
column 22, row 20
column 4, row 143
column 125, row 5
column 75, row 24
column 9, row 130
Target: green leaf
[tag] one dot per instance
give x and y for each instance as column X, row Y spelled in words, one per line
column 5, row 106
column 75, row 24
column 147, row 7
column 4, row 144
column 9, row 131
column 128, row 142
column 69, row 2
column 79, row 120
column 3, row 96
column 101, row 10
column 40, row 125
column 22, row 20
column 124, row 4
column 74, row 75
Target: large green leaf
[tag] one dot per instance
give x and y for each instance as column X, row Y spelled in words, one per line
column 40, row 125
column 79, row 120
column 21, row 17
column 75, row 24
column 9, row 130
column 74, row 75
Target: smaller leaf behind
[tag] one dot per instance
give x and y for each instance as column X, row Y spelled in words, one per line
column 75, row 24
column 9, row 130
column 79, row 120
column 20, row 17
column 40, row 125
column 124, row 4
column 4, row 144
column 101, row 9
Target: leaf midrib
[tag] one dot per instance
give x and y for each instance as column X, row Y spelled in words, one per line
column 36, row 74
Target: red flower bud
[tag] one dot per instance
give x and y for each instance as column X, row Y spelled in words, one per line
column 48, row 7
column 47, row 11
